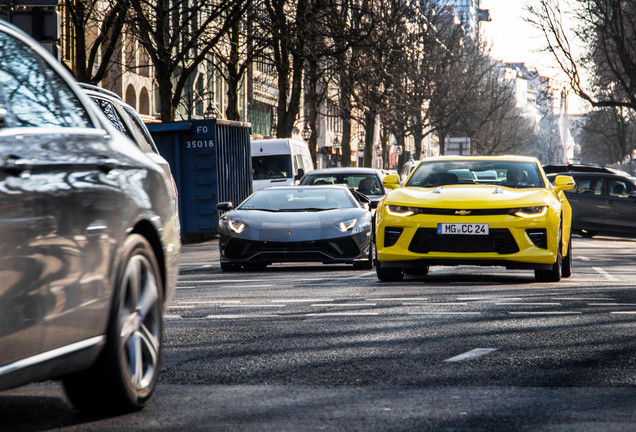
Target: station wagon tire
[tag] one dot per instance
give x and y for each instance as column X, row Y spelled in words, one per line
column 125, row 375
column 554, row 274
column 390, row 274
column 566, row 266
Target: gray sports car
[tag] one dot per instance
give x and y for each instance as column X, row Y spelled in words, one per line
column 328, row 224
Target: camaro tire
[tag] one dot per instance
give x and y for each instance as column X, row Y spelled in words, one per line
column 566, row 266
column 390, row 274
column 554, row 274
column 125, row 375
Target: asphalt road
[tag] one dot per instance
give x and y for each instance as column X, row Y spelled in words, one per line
column 314, row 347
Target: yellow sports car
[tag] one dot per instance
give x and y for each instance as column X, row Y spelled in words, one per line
column 489, row 211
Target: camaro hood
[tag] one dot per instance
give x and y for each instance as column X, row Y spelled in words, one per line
column 299, row 226
column 469, row 196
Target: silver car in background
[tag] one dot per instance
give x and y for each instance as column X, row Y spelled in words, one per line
column 89, row 240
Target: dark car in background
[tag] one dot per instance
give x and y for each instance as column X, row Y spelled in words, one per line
column 327, row 224
column 89, row 240
column 367, row 181
column 603, row 200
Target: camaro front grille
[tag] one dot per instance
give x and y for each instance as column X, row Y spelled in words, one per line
column 498, row 240
column 337, row 248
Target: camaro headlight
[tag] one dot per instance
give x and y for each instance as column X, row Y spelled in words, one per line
column 528, row 211
column 236, row 226
column 396, row 210
column 345, row 226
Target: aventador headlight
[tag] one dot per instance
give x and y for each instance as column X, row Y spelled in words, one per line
column 527, row 212
column 236, row 226
column 345, row 226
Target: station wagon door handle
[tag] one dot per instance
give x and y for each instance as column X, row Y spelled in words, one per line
column 15, row 165
column 107, row 164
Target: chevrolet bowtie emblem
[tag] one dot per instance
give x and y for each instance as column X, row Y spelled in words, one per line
column 289, row 233
column 462, row 212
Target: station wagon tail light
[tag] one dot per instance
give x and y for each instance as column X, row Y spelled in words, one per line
column 345, row 226
column 236, row 226
column 528, row 212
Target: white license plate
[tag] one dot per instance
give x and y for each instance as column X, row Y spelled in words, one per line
column 462, row 228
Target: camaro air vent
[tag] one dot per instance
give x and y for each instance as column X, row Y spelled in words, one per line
column 539, row 237
column 391, row 235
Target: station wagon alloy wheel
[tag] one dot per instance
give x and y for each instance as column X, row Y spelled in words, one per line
column 126, row 375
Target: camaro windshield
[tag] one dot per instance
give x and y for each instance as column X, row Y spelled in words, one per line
column 298, row 199
column 517, row 174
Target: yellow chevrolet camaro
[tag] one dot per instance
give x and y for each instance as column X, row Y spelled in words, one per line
column 489, row 211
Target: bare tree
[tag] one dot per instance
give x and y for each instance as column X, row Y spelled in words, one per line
column 607, row 28
column 179, row 35
column 96, row 26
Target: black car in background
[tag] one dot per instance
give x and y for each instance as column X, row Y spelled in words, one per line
column 603, row 200
column 367, row 181
column 89, row 241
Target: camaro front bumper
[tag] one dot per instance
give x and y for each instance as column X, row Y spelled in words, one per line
column 512, row 241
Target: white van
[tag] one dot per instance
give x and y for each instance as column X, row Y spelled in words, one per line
column 279, row 161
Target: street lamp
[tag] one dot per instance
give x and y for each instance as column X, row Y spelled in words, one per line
column 306, row 133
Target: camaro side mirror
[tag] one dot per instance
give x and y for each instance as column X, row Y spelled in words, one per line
column 563, row 183
column 225, row 206
column 391, row 181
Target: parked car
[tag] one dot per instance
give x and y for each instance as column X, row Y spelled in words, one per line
column 603, row 201
column 367, row 181
column 89, row 244
column 327, row 224
column 127, row 121
column 517, row 220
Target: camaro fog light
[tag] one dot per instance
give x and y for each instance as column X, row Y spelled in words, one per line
column 236, row 226
column 397, row 210
column 345, row 226
column 528, row 211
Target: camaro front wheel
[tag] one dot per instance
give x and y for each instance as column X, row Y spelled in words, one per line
column 125, row 376
column 388, row 274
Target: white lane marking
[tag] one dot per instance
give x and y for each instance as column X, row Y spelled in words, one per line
column 171, row 317
column 472, row 354
column 240, row 316
column 359, row 276
column 397, row 299
column 585, row 298
column 342, row 304
column 605, row 274
column 308, row 300
column 198, row 302
column 444, row 313
column 547, row 313
column 624, row 313
column 527, row 304
column 490, row 298
column 254, row 306
column 611, row 304
column 434, row 304
column 344, row 314
column 583, row 258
